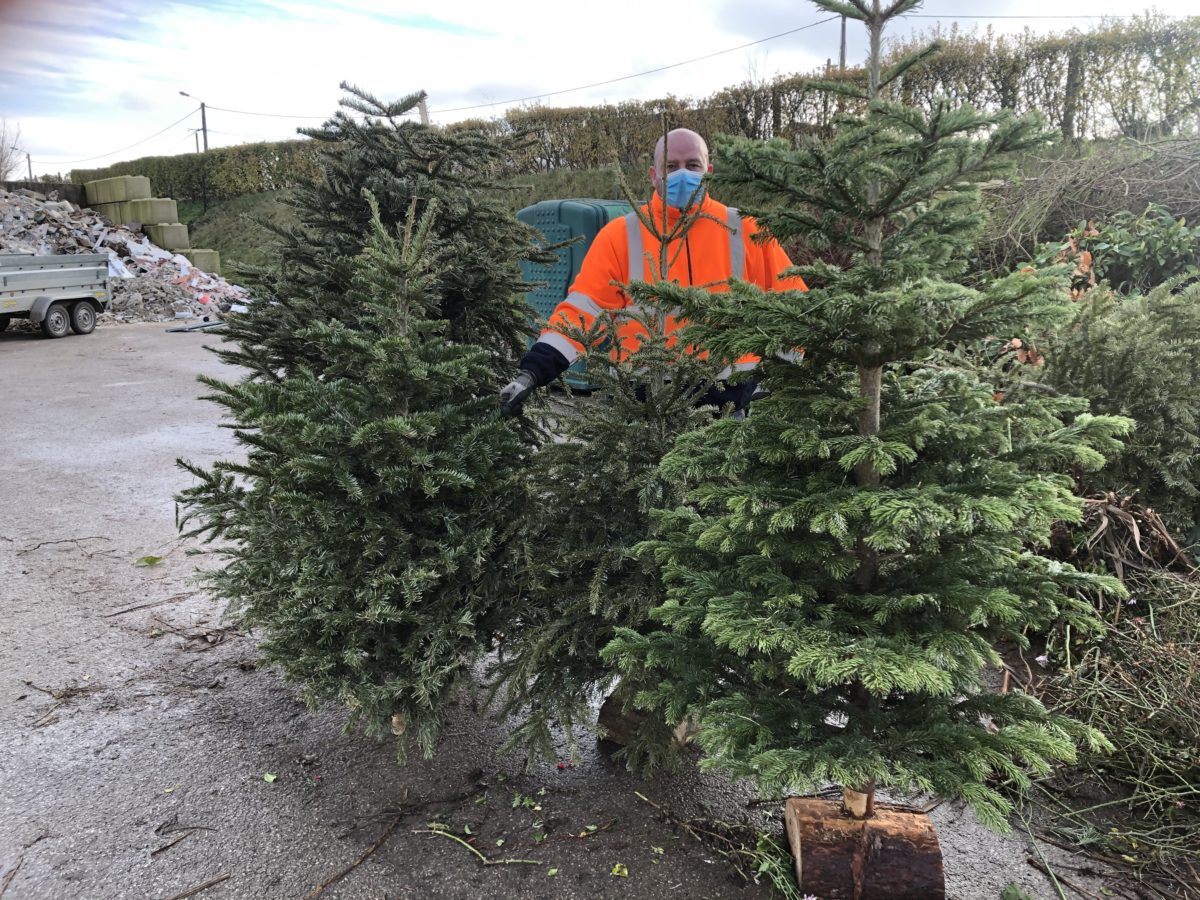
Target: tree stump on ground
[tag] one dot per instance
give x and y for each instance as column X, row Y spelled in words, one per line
column 890, row 856
column 619, row 724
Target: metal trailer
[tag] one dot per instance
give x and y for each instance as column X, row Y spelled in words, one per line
column 60, row 293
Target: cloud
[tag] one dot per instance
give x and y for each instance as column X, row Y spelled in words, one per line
column 431, row 23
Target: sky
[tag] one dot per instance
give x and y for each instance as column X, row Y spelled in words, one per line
column 92, row 83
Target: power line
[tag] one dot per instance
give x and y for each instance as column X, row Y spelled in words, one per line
column 582, row 87
column 60, row 162
column 685, row 62
column 958, row 16
column 253, row 137
column 242, row 112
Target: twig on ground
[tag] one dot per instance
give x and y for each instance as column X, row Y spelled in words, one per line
column 45, row 719
column 1080, row 851
column 61, row 696
column 12, row 873
column 166, row 847
column 129, row 609
column 487, row 861
column 319, row 889
column 1046, row 870
column 201, row 887
column 75, row 541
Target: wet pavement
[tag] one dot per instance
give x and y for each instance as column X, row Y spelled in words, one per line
column 143, row 752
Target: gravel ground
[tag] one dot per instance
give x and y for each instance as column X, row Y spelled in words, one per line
column 136, row 728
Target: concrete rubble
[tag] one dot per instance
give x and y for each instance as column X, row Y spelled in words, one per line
column 148, row 283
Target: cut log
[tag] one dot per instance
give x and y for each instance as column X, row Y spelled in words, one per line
column 616, row 723
column 894, row 854
column 619, row 724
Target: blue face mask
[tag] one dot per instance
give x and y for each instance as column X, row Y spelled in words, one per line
column 681, row 184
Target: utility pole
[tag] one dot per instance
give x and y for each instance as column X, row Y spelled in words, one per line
column 424, row 110
column 842, row 58
column 196, row 134
column 29, row 166
column 204, row 117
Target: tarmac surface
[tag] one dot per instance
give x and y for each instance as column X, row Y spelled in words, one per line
column 144, row 753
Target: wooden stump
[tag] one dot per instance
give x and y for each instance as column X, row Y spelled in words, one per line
column 619, row 724
column 894, row 854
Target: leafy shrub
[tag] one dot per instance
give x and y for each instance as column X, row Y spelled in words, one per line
column 1130, row 252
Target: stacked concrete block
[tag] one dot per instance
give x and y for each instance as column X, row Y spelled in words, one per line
column 117, row 190
column 126, row 198
column 204, row 260
column 116, row 212
column 153, row 211
column 169, row 236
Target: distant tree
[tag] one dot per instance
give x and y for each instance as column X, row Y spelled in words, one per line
column 10, row 149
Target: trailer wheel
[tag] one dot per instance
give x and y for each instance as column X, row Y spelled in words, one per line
column 57, row 322
column 83, row 318
column 3, row 322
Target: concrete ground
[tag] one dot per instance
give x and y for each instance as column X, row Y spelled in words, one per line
column 143, row 753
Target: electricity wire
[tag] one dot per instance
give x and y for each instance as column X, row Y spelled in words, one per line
column 60, row 162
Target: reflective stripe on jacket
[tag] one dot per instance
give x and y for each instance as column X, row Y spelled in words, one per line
column 706, row 256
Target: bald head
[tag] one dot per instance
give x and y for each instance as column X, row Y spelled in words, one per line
column 684, row 150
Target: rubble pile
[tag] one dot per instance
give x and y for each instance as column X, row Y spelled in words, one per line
column 148, row 284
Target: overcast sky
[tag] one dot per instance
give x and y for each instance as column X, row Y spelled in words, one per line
column 86, row 79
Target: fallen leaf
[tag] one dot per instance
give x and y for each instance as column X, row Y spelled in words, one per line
column 550, row 873
column 269, row 778
column 467, row 829
column 149, row 561
column 499, row 842
column 620, row 870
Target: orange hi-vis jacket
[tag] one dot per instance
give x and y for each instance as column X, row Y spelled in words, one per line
column 708, row 257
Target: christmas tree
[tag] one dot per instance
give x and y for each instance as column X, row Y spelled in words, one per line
column 847, row 557
column 369, row 529
column 597, row 485
column 374, row 144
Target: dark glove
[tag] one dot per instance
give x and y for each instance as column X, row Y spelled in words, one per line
column 512, row 397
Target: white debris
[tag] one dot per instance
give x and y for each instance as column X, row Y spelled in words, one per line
column 148, row 284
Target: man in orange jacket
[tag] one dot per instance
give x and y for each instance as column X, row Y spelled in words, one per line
column 710, row 256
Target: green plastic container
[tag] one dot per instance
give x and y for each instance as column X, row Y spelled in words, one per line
column 561, row 220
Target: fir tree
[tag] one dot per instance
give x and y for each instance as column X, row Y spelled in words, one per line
column 369, row 144
column 1139, row 356
column 597, row 485
column 367, row 531
column 848, row 555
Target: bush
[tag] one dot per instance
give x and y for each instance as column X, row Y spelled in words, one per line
column 1139, row 356
column 221, row 173
column 1141, row 687
column 1131, row 252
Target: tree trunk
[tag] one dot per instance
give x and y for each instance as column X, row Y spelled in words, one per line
column 892, row 856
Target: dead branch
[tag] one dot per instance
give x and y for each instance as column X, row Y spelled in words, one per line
column 1061, row 879
column 319, row 889
column 12, row 873
column 129, row 609
column 201, row 887
column 486, row 860
column 75, row 541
